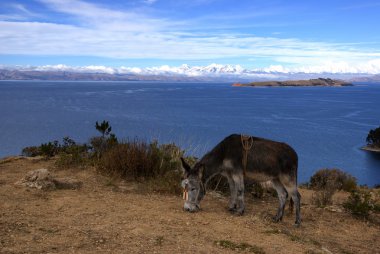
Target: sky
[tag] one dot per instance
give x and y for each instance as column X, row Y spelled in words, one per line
column 339, row 36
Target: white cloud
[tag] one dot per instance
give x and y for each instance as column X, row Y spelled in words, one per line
column 105, row 32
column 36, row 38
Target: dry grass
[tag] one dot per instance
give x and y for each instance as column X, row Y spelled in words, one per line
column 158, row 166
column 113, row 216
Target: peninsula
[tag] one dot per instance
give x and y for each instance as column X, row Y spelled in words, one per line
column 310, row 82
column 371, row 148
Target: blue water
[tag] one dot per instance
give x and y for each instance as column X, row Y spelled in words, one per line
column 325, row 125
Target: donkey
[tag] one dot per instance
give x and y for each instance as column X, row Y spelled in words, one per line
column 265, row 160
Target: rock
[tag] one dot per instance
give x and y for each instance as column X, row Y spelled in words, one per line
column 43, row 180
column 39, row 179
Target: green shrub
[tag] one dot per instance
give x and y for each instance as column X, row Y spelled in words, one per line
column 99, row 145
column 72, row 155
column 105, row 142
column 359, row 204
column 31, row 151
column 332, row 179
column 104, row 128
column 50, row 149
column 69, row 152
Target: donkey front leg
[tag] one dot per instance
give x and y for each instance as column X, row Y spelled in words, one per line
column 233, row 193
column 239, row 185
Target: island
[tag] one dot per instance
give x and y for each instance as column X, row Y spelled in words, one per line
column 373, row 141
column 310, row 82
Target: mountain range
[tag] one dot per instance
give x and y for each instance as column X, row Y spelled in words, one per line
column 212, row 72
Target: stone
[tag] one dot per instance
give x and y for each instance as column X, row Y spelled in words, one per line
column 43, row 180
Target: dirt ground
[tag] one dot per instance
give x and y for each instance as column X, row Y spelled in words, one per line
column 112, row 217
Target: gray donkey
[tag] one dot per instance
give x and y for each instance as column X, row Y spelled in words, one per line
column 262, row 160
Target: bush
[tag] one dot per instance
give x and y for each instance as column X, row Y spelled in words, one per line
column 72, row 154
column 157, row 165
column 105, row 142
column 168, row 183
column 100, row 145
column 334, row 179
column 31, row 151
column 359, row 204
column 326, row 181
column 323, row 198
column 50, row 149
column 66, row 160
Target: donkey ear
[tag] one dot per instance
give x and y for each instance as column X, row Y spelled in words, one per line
column 185, row 166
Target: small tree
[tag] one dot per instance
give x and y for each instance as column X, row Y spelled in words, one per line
column 106, row 141
column 104, row 128
column 373, row 137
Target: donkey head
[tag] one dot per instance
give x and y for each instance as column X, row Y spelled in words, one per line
column 193, row 187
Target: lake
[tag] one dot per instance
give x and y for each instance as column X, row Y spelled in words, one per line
column 325, row 125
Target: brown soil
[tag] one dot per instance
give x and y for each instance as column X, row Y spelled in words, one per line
column 112, row 217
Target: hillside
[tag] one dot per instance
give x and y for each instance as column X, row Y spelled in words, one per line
column 109, row 216
column 368, row 79
column 79, row 76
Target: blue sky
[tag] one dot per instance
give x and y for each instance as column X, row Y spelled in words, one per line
column 340, row 36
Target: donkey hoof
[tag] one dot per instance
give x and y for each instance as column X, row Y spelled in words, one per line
column 297, row 224
column 276, row 219
column 232, row 210
column 240, row 212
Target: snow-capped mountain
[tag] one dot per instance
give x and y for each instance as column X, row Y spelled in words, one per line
column 165, row 72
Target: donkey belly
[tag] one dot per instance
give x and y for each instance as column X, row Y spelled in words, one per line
column 259, row 176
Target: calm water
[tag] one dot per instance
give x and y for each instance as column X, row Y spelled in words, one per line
column 326, row 126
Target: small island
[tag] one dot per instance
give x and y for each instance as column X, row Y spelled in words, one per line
column 310, row 82
column 373, row 141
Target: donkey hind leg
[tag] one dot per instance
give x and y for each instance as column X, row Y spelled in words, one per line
column 282, row 196
column 296, row 197
column 291, row 205
column 233, row 193
column 239, row 186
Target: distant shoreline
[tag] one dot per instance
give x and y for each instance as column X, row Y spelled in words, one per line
column 297, row 83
